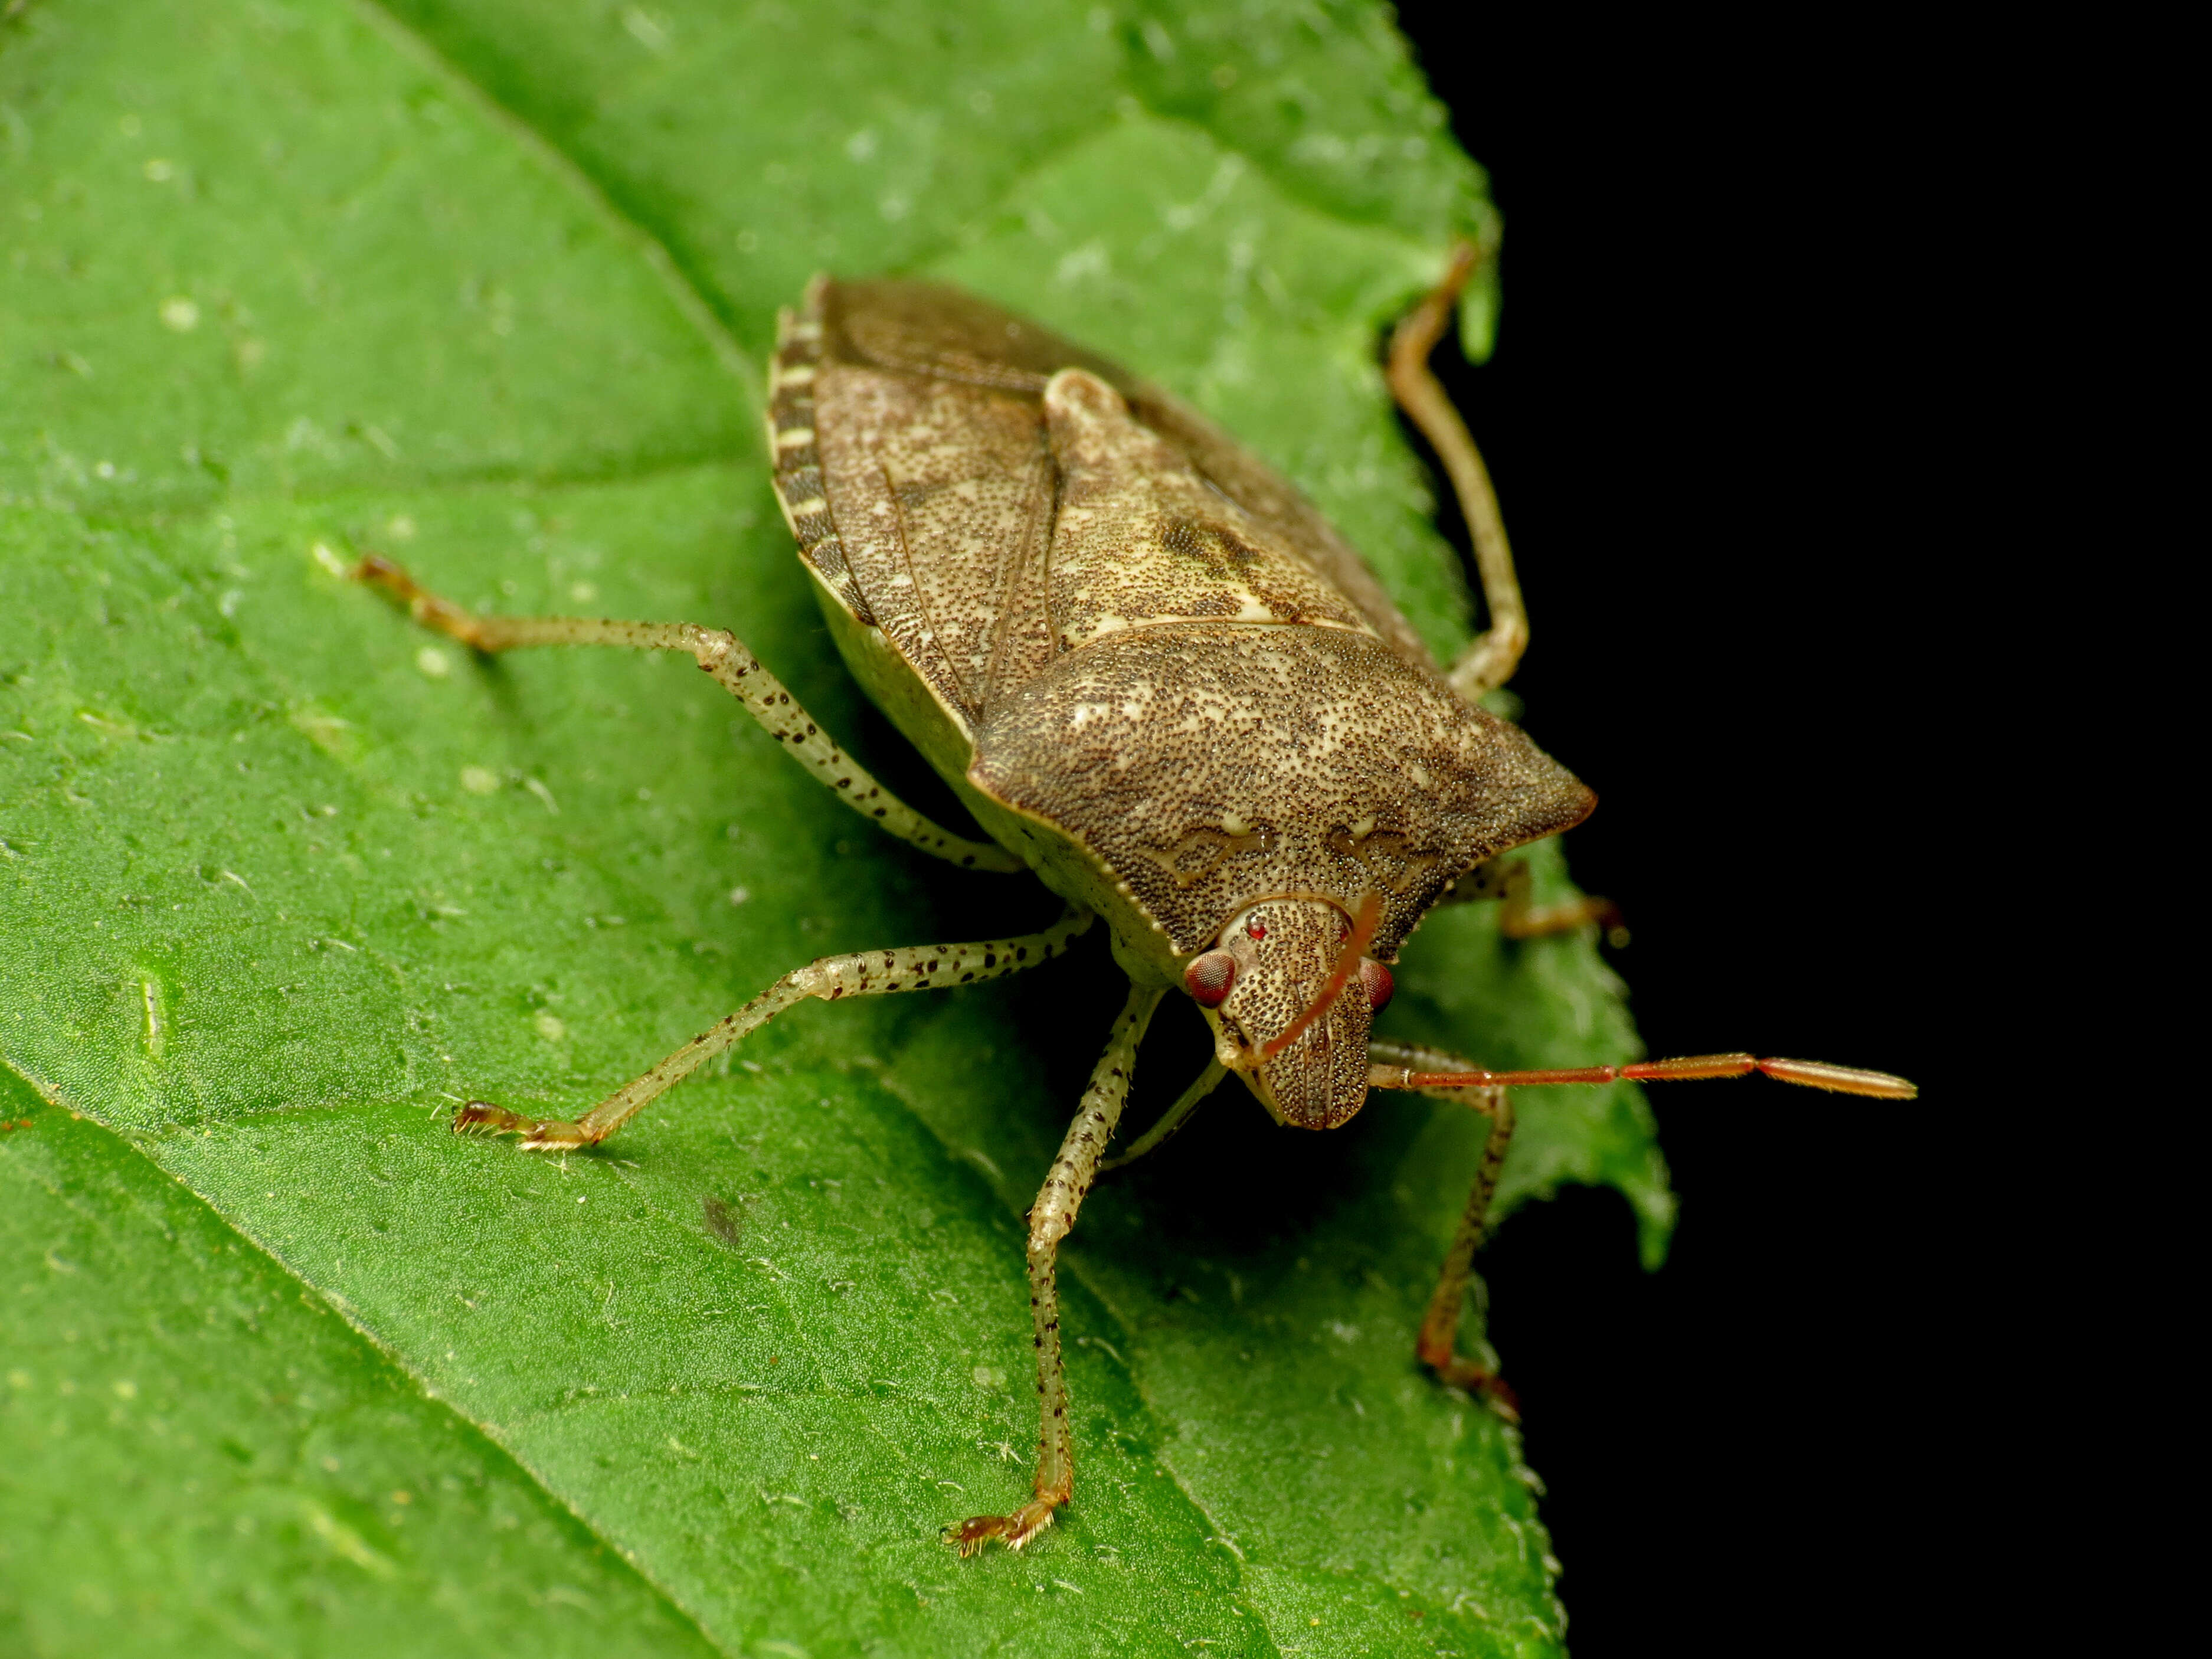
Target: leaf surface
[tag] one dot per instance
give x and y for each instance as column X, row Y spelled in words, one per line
column 280, row 879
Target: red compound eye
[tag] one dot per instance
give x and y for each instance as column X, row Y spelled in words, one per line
column 1208, row 978
column 1375, row 978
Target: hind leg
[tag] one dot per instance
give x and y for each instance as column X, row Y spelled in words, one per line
column 736, row 669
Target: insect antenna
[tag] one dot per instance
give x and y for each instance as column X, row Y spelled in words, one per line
column 1810, row 1073
column 1363, row 922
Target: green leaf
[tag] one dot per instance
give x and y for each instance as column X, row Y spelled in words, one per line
column 486, row 288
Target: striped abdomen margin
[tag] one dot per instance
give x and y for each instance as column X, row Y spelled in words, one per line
column 797, row 460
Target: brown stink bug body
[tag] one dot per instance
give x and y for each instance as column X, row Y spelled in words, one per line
column 1161, row 682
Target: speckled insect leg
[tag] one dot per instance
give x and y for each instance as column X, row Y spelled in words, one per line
column 723, row 655
column 1439, row 1339
column 864, row 974
column 1491, row 659
column 1051, row 1218
column 1508, row 879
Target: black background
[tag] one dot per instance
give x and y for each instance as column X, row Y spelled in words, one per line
column 1701, row 419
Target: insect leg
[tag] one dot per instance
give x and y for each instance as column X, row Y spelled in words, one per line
column 1508, row 879
column 864, row 974
column 1172, row 1120
column 722, row 654
column 1438, row 1344
column 1051, row 1218
column 1491, row 659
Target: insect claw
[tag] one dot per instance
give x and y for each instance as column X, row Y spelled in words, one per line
column 969, row 1536
column 481, row 1117
column 1494, row 1393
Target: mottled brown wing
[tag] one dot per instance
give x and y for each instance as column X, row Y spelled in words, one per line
column 938, row 501
column 919, row 497
column 1271, row 499
column 931, row 329
column 1142, row 539
column 921, row 328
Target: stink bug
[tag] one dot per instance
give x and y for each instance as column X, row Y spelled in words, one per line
column 1162, row 682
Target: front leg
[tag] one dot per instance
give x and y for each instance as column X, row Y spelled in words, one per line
column 1051, row 1218
column 1171, row 1121
column 1438, row 1344
column 864, row 974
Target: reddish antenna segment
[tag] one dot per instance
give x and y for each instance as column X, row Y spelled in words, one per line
column 1810, row 1073
column 1363, row 922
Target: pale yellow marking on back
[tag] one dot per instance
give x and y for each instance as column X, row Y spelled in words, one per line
column 1251, row 608
column 1142, row 540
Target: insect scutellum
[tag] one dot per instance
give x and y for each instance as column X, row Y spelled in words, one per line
column 1164, row 685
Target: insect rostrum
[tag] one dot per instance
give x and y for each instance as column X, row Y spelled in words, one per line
column 1165, row 686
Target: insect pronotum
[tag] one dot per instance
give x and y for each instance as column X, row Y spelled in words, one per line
column 1164, row 684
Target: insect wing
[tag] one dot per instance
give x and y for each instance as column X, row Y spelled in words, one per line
column 910, row 417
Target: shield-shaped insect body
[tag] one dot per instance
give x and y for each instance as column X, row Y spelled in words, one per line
column 1146, row 665
column 1161, row 682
